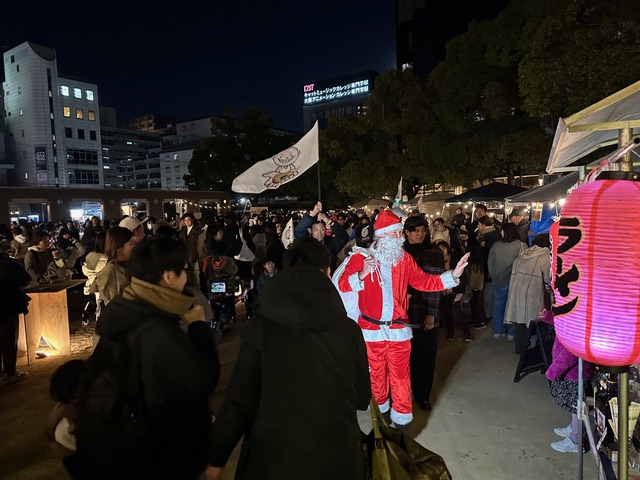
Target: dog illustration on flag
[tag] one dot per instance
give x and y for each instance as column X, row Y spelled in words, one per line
column 285, row 170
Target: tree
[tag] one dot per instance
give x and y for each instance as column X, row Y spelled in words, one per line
column 364, row 149
column 233, row 147
column 580, row 53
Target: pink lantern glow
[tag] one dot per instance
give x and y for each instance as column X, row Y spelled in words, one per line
column 596, row 272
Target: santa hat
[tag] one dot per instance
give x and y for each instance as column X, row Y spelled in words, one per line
column 386, row 222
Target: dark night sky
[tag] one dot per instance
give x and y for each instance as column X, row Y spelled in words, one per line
column 194, row 58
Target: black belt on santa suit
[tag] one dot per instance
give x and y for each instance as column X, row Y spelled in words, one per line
column 388, row 323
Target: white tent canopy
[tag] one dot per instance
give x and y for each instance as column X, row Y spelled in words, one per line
column 575, row 136
column 545, row 194
column 433, row 204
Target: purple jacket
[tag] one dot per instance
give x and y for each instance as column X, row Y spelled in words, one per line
column 564, row 364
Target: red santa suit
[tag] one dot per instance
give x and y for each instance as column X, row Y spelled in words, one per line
column 382, row 298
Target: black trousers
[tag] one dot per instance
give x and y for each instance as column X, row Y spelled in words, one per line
column 424, row 349
column 452, row 313
column 8, row 343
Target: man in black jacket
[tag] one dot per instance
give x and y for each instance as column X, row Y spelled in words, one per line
column 299, row 378
column 315, row 224
column 14, row 301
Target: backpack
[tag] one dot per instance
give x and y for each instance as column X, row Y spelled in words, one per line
column 113, row 422
column 220, row 275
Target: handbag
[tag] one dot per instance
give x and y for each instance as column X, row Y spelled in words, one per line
column 392, row 455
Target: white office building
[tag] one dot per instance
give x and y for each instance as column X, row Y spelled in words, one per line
column 51, row 123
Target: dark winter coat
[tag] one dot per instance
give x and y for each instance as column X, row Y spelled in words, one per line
column 431, row 260
column 179, row 372
column 12, row 278
column 299, row 378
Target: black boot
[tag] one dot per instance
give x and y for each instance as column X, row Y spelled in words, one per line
column 387, row 417
column 404, row 428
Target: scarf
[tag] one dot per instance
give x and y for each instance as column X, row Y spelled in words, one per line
column 162, row 297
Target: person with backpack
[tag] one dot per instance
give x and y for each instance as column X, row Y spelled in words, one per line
column 300, row 376
column 143, row 402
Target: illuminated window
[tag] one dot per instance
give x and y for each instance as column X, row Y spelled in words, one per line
column 89, row 94
column 77, row 93
column 79, row 113
column 92, row 115
column 64, row 90
column 66, row 111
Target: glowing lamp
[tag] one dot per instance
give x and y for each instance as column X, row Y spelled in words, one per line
column 596, row 271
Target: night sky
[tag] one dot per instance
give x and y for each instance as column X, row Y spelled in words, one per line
column 192, row 59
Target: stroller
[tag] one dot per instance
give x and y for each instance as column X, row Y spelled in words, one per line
column 222, row 284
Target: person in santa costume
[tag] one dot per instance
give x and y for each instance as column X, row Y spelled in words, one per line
column 373, row 284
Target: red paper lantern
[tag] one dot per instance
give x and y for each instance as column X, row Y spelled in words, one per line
column 596, row 272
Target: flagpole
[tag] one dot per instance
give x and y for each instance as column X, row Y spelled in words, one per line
column 319, row 194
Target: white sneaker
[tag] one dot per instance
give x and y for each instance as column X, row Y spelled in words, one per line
column 565, row 446
column 563, row 432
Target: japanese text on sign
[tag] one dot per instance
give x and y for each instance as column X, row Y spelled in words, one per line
column 570, row 230
column 311, row 96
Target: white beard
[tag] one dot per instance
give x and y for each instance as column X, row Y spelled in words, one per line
column 388, row 250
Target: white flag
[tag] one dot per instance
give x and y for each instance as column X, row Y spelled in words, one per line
column 398, row 199
column 281, row 168
column 287, row 234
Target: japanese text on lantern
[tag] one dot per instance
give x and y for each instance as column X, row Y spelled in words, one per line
column 570, row 230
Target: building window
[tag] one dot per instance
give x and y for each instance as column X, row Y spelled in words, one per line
column 91, row 177
column 26, row 175
column 82, row 157
column 92, row 115
column 167, row 169
column 176, row 157
column 177, row 179
column 89, row 94
column 22, row 133
column 77, row 93
column 24, row 154
column 64, row 90
column 18, row 68
column 177, row 168
column 20, row 112
column 68, row 132
column 81, row 134
column 66, row 111
column 168, row 180
column 79, row 113
column 93, row 135
column 19, row 90
column 13, row 59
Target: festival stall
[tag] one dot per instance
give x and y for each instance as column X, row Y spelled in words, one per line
column 433, row 205
column 542, row 204
column 594, row 320
column 492, row 195
column 369, row 205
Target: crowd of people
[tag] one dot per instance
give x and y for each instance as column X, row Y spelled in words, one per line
column 399, row 277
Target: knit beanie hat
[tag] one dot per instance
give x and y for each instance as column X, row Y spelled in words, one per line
column 386, row 222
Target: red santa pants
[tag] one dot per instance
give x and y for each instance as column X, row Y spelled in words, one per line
column 389, row 369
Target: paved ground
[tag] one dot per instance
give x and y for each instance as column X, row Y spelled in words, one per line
column 484, row 425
